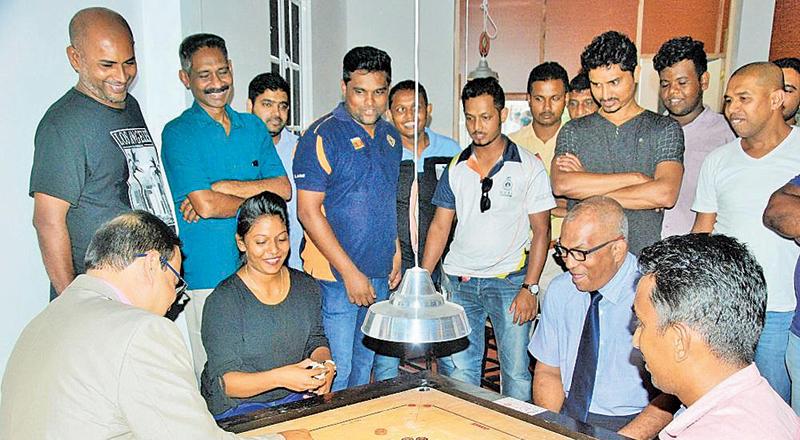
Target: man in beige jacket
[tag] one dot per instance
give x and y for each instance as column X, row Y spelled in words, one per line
column 101, row 361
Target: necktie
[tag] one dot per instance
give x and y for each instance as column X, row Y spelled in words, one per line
column 582, row 387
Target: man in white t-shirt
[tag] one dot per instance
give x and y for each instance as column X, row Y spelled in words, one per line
column 733, row 189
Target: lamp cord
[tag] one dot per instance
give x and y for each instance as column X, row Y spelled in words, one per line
column 416, row 122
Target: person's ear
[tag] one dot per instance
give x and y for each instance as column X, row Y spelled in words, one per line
column 503, row 115
column 184, row 77
column 249, row 105
column 151, row 264
column 776, row 98
column 240, row 243
column 704, row 80
column 636, row 73
column 681, row 341
column 74, row 58
column 344, row 88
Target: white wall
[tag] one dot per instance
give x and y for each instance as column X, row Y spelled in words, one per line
column 245, row 29
column 753, row 19
column 389, row 25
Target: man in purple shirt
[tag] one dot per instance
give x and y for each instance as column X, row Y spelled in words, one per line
column 783, row 216
column 682, row 71
column 701, row 305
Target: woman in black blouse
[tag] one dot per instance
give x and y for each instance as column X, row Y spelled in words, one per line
column 262, row 327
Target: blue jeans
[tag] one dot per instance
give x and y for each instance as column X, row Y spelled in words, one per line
column 492, row 297
column 793, row 365
column 771, row 352
column 249, row 407
column 342, row 322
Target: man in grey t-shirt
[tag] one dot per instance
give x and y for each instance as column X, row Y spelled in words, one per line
column 623, row 151
column 94, row 157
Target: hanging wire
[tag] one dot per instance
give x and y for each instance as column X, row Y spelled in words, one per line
column 416, row 124
column 487, row 20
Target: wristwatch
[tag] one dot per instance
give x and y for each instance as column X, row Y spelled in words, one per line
column 532, row 288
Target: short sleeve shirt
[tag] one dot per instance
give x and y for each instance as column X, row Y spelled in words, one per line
column 620, row 386
column 493, row 243
column 737, row 187
column 196, row 153
column 99, row 159
column 358, row 174
column 285, row 150
column 638, row 145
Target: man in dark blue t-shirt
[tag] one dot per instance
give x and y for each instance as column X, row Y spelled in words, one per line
column 346, row 168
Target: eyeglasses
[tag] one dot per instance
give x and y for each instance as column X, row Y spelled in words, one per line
column 181, row 298
column 579, row 254
column 486, row 186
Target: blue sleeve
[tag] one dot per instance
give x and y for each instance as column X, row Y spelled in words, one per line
column 310, row 166
column 544, row 343
column 270, row 162
column 444, row 197
column 179, row 155
column 796, row 180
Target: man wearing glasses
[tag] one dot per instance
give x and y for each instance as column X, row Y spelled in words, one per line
column 102, row 361
column 499, row 192
column 586, row 365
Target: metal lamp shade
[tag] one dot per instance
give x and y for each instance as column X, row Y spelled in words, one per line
column 483, row 71
column 416, row 313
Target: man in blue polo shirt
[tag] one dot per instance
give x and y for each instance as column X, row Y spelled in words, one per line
column 346, row 168
column 414, row 208
column 214, row 158
column 500, row 193
column 268, row 98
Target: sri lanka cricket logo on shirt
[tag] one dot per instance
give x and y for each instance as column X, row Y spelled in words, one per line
column 357, row 143
column 390, row 140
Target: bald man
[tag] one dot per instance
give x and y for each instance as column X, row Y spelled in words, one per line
column 94, row 157
column 734, row 186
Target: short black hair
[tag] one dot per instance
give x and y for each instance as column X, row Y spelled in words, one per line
column 366, row 58
column 116, row 244
column 484, row 86
column 266, row 81
column 193, row 43
column 266, row 203
column 607, row 49
column 788, row 63
column 547, row 71
column 408, row 85
column 679, row 49
column 713, row 284
column 580, row 82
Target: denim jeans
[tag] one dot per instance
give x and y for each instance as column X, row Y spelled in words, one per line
column 793, row 364
column 342, row 322
column 771, row 352
column 492, row 297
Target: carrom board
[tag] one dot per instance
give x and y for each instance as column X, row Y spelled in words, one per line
column 421, row 413
column 422, row 406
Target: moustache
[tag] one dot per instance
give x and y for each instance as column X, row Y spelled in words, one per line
column 218, row 90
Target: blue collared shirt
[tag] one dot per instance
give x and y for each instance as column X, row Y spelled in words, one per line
column 440, row 146
column 619, row 387
column 196, row 153
column 358, row 174
column 285, row 150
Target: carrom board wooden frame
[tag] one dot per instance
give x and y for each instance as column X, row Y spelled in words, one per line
column 362, row 412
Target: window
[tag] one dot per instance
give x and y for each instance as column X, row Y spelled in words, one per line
column 284, row 36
